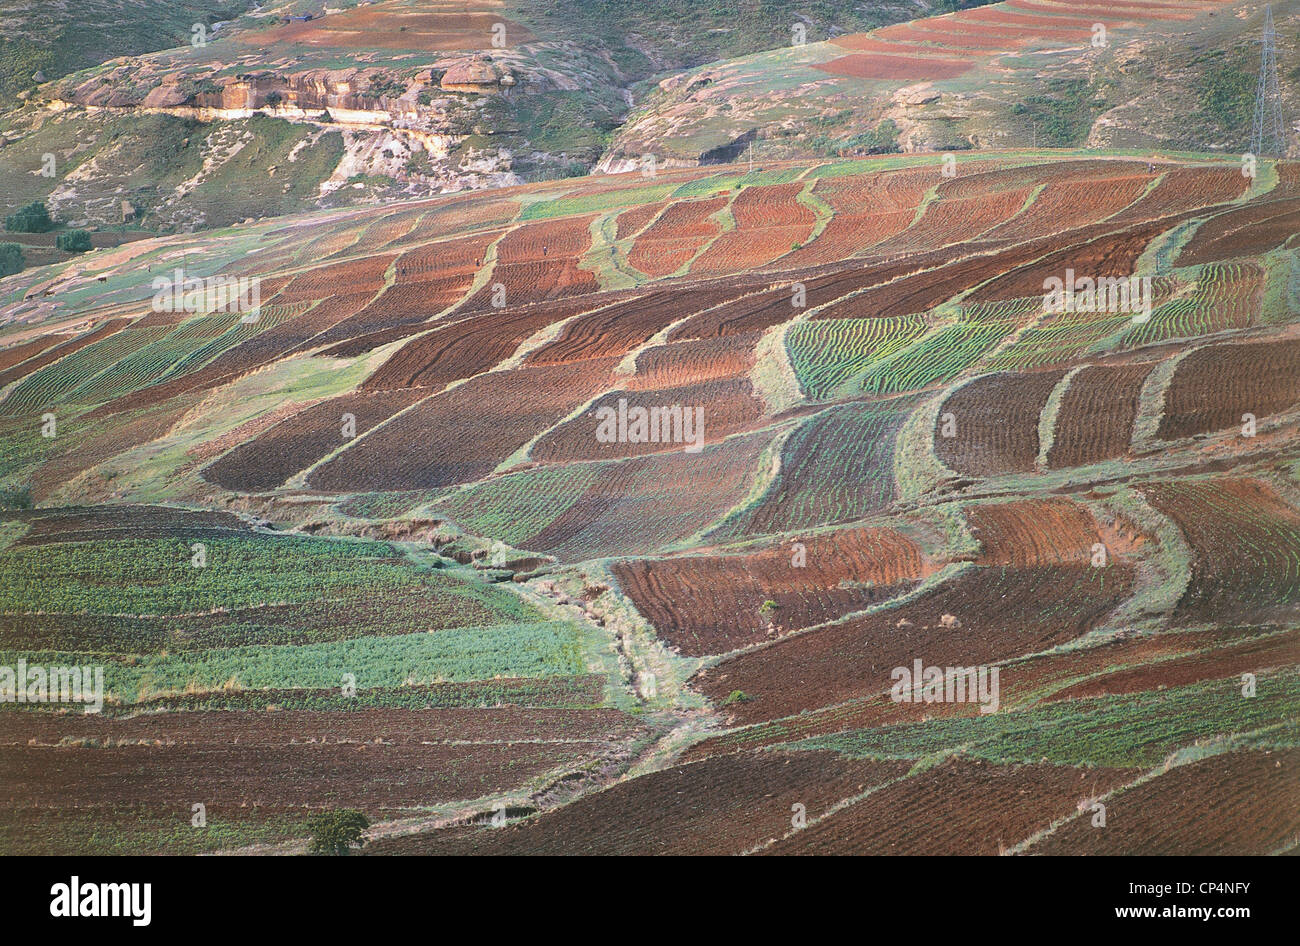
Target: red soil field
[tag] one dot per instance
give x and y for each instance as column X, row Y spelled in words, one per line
column 620, row 328
column 390, row 26
column 1095, row 421
column 728, row 406
column 895, row 68
column 721, row 806
column 351, row 775
column 1244, row 538
column 356, row 275
column 962, row 807
column 1256, row 228
column 539, row 261
column 456, row 214
column 508, row 724
column 1003, row 613
column 679, row 233
column 1226, row 662
column 744, row 316
column 643, row 505
column 1021, row 680
column 1184, row 189
column 868, row 208
column 769, row 223
column 1109, row 255
column 1238, row 803
column 265, row 462
column 930, row 31
column 867, row 43
column 1068, row 204
column 462, row 434
column 694, row 361
column 709, row 604
column 1033, row 532
column 947, row 220
column 634, row 220
column 467, row 347
column 996, row 423
column 363, row 344
column 1144, row 11
column 1214, row 386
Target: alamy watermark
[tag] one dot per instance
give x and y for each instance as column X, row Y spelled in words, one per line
column 30, row 683
column 922, row 684
column 672, row 424
column 1112, row 294
column 180, row 293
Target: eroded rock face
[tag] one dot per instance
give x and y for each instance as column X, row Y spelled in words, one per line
column 475, row 74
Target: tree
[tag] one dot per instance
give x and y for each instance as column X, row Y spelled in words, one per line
column 74, row 241
column 33, row 218
column 337, row 832
column 11, row 259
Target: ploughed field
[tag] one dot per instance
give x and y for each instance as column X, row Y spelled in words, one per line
column 637, row 514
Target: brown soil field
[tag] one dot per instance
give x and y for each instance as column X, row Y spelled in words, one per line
column 721, row 806
column 462, row 434
column 539, row 261
column 962, row 807
column 1243, row 536
column 291, row 446
column 728, row 405
column 996, row 423
column 1002, row 613
column 1251, row 655
column 1258, row 227
column 620, row 328
column 107, row 524
column 710, row 604
column 1242, row 803
column 643, row 505
column 694, row 361
column 1214, row 386
column 1070, row 204
column 1095, row 421
column 1033, row 532
column 467, row 347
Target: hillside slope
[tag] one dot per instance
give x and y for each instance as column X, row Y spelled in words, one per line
column 879, row 442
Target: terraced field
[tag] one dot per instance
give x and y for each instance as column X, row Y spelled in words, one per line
column 406, row 544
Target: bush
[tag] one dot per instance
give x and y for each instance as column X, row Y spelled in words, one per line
column 17, row 497
column 11, row 259
column 33, row 218
column 337, row 832
column 74, row 241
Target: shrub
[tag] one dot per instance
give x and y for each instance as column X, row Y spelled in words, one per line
column 74, row 241
column 11, row 259
column 33, row 218
column 337, row 832
column 16, row 497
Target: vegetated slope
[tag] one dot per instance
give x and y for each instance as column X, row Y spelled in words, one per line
column 374, row 100
column 1009, row 74
column 576, row 516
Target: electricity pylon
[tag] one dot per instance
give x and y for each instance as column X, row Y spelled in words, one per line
column 1267, row 134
